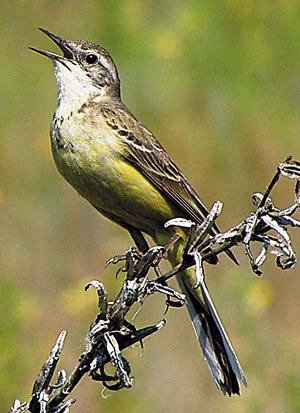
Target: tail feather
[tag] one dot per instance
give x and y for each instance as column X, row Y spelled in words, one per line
column 217, row 349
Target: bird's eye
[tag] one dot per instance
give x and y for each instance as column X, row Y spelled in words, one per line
column 91, row 58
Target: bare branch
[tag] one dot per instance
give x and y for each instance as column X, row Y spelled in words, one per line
column 111, row 333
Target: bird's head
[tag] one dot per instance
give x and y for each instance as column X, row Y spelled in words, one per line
column 86, row 70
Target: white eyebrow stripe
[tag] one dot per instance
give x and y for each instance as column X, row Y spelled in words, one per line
column 107, row 66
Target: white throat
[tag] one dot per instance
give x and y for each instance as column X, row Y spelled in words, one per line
column 74, row 88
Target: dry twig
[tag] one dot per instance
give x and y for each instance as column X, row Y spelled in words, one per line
column 111, row 333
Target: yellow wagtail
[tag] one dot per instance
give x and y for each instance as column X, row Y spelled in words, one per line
column 117, row 164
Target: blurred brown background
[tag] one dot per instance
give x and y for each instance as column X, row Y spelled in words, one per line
column 219, row 85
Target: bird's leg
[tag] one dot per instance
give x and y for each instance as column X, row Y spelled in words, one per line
column 142, row 245
column 139, row 239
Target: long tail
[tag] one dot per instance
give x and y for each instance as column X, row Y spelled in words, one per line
column 217, row 349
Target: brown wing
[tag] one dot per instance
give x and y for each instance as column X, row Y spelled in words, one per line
column 144, row 152
column 148, row 156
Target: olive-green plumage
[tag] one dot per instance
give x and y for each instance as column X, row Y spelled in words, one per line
column 117, row 164
column 93, row 159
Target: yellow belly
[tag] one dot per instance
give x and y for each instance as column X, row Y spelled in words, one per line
column 100, row 174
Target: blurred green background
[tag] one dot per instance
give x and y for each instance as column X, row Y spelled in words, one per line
column 219, row 84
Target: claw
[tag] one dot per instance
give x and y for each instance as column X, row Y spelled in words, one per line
column 115, row 260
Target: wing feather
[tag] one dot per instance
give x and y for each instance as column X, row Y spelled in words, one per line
column 148, row 156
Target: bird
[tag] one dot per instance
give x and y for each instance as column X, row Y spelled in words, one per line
column 116, row 163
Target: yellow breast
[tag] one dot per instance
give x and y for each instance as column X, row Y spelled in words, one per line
column 89, row 156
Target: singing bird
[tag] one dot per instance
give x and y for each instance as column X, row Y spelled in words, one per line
column 117, row 164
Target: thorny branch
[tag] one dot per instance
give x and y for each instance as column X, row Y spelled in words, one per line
column 111, row 333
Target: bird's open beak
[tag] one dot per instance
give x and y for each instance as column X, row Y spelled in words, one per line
column 62, row 44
